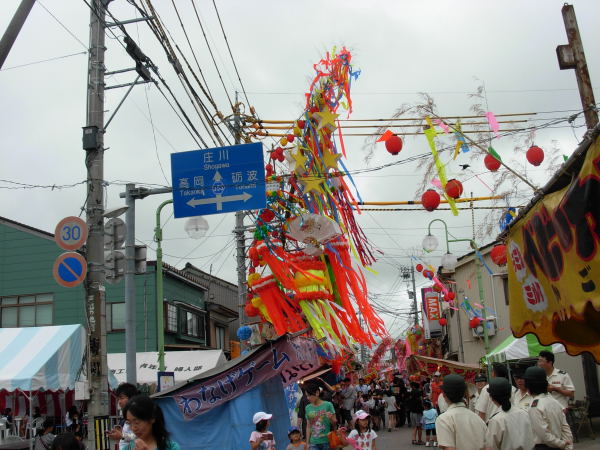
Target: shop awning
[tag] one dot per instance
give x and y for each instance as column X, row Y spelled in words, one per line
column 430, row 365
column 521, row 348
column 48, row 358
column 185, row 364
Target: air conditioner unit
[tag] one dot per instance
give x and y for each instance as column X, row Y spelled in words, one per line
column 491, row 328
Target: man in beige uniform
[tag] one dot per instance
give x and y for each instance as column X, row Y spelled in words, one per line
column 560, row 385
column 521, row 397
column 458, row 428
column 548, row 421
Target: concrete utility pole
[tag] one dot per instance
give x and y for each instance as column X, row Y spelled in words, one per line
column 14, row 27
column 130, row 296
column 93, row 143
column 239, row 227
column 571, row 56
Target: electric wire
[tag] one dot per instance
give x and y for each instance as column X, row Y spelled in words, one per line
column 62, row 25
column 42, row 61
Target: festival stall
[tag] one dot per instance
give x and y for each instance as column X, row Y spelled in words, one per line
column 429, row 366
column 39, row 366
column 218, row 405
column 184, row 364
column 526, row 347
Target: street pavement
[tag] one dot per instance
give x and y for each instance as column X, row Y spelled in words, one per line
column 401, row 438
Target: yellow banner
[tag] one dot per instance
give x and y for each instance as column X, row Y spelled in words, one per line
column 554, row 265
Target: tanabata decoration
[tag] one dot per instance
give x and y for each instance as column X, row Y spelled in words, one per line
column 499, row 255
column 385, row 345
column 454, row 188
column 307, row 255
column 443, row 321
column 492, row 160
column 535, row 155
column 430, row 200
column 393, row 143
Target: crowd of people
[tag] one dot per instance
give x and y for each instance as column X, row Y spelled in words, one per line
column 447, row 413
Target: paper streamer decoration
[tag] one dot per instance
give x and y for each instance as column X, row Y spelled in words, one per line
column 461, row 143
column 493, row 123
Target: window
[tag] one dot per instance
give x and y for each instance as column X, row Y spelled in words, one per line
column 115, row 316
column 171, row 318
column 506, row 291
column 26, row 310
column 192, row 324
column 220, row 337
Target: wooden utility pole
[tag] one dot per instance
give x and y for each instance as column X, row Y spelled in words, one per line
column 571, row 56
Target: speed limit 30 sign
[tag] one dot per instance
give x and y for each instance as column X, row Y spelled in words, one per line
column 71, row 233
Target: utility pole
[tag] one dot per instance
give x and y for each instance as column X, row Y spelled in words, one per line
column 130, row 295
column 571, row 56
column 239, row 227
column 93, row 143
column 14, row 27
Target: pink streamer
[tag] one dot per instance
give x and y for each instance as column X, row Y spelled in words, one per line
column 493, row 123
column 437, row 183
column 442, row 125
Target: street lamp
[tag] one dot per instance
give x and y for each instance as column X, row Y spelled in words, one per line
column 449, row 262
column 196, row 228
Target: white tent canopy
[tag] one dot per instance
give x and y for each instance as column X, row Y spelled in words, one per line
column 527, row 346
column 185, row 364
column 48, row 358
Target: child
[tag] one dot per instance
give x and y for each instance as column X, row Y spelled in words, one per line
column 296, row 442
column 362, row 437
column 122, row 432
column 429, row 416
column 261, row 438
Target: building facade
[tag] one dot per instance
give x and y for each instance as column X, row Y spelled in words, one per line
column 29, row 296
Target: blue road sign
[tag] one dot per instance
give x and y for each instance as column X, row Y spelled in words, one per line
column 69, row 269
column 218, row 180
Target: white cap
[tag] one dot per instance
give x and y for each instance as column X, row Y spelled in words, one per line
column 437, row 374
column 261, row 416
column 360, row 414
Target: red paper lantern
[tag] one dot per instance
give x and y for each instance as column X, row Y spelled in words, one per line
column 251, row 310
column 419, row 267
column 491, row 163
column 430, row 200
column 290, row 137
column 450, row 296
column 535, row 155
column 443, row 321
column 474, row 322
column 499, row 255
column 393, row 145
column 300, row 124
column 269, row 170
column 454, row 188
column 428, row 274
column 437, row 287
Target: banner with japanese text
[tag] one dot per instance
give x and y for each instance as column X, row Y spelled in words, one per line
column 290, row 359
column 554, row 264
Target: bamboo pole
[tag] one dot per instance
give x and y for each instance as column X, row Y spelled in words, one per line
column 418, row 202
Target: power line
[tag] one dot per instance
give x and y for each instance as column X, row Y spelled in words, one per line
column 43, row 61
column 62, row 25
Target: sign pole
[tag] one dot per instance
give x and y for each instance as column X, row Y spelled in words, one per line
column 160, row 327
column 130, row 296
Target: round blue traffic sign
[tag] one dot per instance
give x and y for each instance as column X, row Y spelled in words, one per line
column 69, row 269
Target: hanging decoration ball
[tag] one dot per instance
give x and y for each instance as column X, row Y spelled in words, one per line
column 283, row 141
column 450, row 296
column 499, row 255
column 393, row 144
column 267, row 215
column 244, row 333
column 474, row 322
column 437, row 287
column 300, row 124
column 454, row 188
column 428, row 274
column 290, row 137
column 430, row 200
column 491, row 163
column 251, row 310
column 535, row 155
column 269, row 170
column 443, row 321
column 419, row 267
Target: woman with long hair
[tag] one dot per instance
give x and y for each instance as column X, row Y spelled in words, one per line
column 148, row 424
column 510, row 427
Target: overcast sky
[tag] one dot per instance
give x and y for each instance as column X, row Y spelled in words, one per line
column 402, row 47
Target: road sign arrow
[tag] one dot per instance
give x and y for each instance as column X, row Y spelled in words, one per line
column 217, row 176
column 219, row 200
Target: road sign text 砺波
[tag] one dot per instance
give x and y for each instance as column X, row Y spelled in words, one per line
column 218, row 180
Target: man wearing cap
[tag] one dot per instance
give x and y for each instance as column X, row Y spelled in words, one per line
column 480, row 383
column 548, row 421
column 484, row 406
column 458, row 428
column 521, row 397
column 560, row 385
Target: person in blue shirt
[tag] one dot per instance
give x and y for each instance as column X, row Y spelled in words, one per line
column 429, row 416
